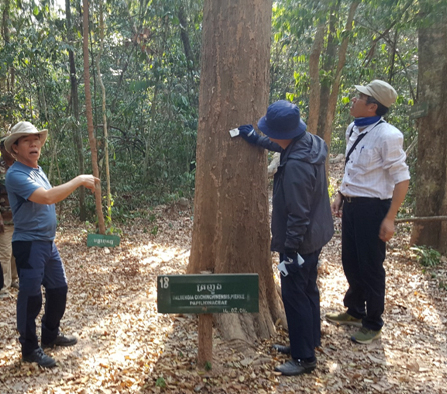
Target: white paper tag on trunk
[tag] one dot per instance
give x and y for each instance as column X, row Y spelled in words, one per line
column 234, row 132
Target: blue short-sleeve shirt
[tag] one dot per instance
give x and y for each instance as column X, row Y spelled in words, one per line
column 32, row 221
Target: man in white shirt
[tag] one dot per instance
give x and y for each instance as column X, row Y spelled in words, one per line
column 374, row 186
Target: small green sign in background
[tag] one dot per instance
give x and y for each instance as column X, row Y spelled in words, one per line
column 419, row 110
column 226, row 293
column 102, row 240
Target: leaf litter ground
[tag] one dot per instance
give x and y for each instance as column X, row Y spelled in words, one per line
column 125, row 346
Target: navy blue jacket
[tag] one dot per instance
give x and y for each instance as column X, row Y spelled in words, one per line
column 301, row 217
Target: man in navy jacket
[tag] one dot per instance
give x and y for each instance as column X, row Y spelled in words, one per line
column 301, row 225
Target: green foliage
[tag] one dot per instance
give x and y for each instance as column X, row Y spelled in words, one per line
column 208, row 366
column 152, row 81
column 427, row 256
column 151, row 87
column 382, row 45
column 331, row 190
column 160, row 382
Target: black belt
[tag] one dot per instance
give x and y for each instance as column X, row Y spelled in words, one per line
column 352, row 200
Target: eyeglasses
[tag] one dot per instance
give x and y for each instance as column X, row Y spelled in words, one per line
column 359, row 97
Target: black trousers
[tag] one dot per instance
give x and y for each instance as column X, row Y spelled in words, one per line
column 363, row 254
column 39, row 264
column 2, row 283
column 301, row 300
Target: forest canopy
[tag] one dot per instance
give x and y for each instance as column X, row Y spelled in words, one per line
column 150, row 68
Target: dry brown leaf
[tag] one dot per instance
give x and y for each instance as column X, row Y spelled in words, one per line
column 414, row 366
column 125, row 345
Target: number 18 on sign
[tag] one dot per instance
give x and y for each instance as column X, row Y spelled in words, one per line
column 228, row 293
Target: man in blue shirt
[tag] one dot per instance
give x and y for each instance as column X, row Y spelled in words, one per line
column 38, row 262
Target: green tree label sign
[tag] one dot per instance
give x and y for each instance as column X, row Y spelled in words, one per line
column 228, row 293
column 419, row 110
column 102, row 240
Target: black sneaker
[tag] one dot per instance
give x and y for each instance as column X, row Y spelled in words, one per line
column 296, row 367
column 38, row 356
column 61, row 340
column 282, row 349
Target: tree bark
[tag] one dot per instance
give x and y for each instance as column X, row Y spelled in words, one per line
column 9, row 81
column 328, row 68
column 231, row 218
column 104, row 111
column 150, row 132
column 77, row 137
column 185, row 38
column 431, row 170
column 89, row 114
column 393, row 57
column 314, row 73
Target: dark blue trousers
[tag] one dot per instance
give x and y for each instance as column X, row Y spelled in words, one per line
column 39, row 264
column 363, row 254
column 301, row 300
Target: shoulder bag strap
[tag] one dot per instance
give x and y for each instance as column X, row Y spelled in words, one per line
column 359, row 138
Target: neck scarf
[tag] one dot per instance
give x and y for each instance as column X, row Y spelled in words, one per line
column 362, row 122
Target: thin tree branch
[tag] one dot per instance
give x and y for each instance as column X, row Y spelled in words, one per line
column 385, row 33
column 412, row 146
column 413, row 95
column 421, row 219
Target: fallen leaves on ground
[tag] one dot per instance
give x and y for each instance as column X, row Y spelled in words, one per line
column 125, row 346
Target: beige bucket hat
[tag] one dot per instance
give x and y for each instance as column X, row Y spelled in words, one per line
column 382, row 91
column 22, row 129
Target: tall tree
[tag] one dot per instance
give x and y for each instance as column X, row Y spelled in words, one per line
column 330, row 89
column 231, row 217
column 74, row 100
column 327, row 25
column 431, row 170
column 104, row 112
column 7, row 81
column 89, row 113
column 314, row 76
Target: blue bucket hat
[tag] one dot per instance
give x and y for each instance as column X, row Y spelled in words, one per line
column 282, row 121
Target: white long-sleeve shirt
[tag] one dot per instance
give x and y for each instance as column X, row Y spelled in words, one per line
column 377, row 163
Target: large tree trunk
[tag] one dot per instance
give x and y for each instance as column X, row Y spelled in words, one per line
column 89, row 114
column 431, row 170
column 77, row 137
column 231, row 218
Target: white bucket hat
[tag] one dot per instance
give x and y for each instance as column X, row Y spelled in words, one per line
column 23, row 129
